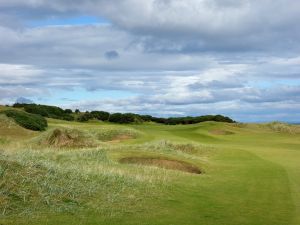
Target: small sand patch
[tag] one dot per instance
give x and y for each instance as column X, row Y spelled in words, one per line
column 221, row 132
column 162, row 163
column 119, row 138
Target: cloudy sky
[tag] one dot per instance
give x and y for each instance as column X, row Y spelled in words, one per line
column 240, row 58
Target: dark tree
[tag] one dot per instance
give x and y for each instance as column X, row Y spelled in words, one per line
column 100, row 115
column 68, row 111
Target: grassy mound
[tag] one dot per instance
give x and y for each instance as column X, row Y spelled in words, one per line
column 174, row 148
column 10, row 129
column 162, row 163
column 27, row 120
column 69, row 138
column 115, row 135
column 221, row 132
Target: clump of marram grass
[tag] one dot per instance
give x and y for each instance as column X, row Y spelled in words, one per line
column 67, row 138
column 283, row 127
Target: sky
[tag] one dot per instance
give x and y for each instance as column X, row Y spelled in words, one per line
column 239, row 58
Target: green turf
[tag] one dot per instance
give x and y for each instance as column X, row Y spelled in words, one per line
column 251, row 176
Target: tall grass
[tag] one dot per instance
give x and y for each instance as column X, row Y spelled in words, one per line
column 34, row 181
column 283, row 127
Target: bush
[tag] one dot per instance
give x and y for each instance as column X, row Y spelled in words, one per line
column 68, row 117
column 27, row 120
column 68, row 111
column 47, row 111
column 100, row 115
column 192, row 120
column 85, row 117
column 124, row 118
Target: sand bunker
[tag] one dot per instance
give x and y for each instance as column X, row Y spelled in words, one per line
column 162, row 163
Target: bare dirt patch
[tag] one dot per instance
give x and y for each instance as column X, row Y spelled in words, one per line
column 162, row 163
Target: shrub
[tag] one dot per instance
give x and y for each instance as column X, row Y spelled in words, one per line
column 27, row 120
column 68, row 111
column 47, row 111
column 124, row 118
column 85, row 117
column 68, row 117
column 100, row 115
column 192, row 120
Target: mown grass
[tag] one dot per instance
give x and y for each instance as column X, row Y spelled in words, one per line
column 251, row 176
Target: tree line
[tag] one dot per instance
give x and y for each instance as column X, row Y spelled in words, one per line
column 123, row 118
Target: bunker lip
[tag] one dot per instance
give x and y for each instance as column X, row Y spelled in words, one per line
column 165, row 163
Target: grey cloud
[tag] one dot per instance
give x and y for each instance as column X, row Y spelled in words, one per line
column 203, row 25
column 112, row 54
column 275, row 94
column 10, row 94
column 84, row 46
column 23, row 100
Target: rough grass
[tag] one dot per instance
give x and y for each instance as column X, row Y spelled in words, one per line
column 37, row 189
column 33, row 183
column 10, row 130
column 221, row 132
column 181, row 149
column 283, row 128
column 113, row 134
